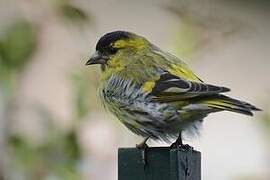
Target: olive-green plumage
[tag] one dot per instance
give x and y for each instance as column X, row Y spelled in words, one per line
column 152, row 92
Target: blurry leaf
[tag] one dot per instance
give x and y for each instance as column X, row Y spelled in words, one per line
column 57, row 157
column 15, row 141
column 17, row 44
column 62, row 154
column 71, row 146
column 22, row 151
column 82, row 100
column 6, row 76
column 67, row 173
column 73, row 14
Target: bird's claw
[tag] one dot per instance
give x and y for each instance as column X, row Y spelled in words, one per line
column 181, row 146
column 143, row 147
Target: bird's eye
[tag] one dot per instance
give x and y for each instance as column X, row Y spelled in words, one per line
column 112, row 50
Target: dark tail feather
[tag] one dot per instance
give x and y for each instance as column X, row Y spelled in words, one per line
column 222, row 102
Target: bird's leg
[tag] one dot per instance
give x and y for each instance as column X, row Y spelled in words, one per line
column 179, row 143
column 143, row 144
column 143, row 147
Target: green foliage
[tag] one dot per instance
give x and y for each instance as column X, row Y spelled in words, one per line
column 70, row 144
column 58, row 156
column 82, row 99
column 17, row 44
column 73, row 14
column 6, row 78
column 23, row 152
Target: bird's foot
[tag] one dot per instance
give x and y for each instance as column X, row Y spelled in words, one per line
column 143, row 144
column 181, row 146
column 143, row 147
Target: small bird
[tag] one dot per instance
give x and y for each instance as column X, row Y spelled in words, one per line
column 153, row 93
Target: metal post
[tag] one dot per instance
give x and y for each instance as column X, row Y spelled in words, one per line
column 161, row 163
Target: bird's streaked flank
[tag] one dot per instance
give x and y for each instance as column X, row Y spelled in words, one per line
column 153, row 93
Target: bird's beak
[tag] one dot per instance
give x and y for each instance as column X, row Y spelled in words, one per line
column 97, row 58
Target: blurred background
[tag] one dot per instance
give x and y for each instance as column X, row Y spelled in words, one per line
column 52, row 127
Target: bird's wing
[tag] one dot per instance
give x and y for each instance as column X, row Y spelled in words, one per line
column 172, row 88
column 175, row 66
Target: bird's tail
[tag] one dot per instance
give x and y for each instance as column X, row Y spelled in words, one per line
column 222, row 102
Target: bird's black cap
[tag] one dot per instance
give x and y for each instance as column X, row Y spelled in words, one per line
column 111, row 37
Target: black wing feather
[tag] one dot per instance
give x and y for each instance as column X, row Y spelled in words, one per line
column 170, row 86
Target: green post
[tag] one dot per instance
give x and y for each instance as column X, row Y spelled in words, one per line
column 161, row 163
